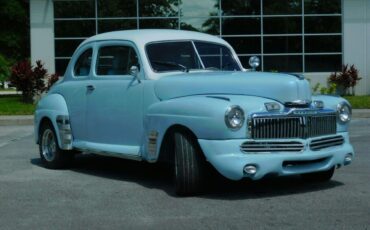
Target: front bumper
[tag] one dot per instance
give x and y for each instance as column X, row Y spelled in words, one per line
column 229, row 160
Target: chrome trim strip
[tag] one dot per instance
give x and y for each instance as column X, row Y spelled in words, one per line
column 65, row 132
column 112, row 154
column 326, row 142
column 271, row 146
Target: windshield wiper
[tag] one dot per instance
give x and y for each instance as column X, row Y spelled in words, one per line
column 168, row 63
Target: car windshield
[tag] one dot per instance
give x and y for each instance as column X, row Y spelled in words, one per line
column 181, row 55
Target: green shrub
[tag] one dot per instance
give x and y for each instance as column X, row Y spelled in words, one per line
column 318, row 88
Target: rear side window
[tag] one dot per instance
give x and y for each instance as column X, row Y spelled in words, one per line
column 83, row 64
column 116, row 60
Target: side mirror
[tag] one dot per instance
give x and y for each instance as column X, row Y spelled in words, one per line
column 254, row 62
column 134, row 71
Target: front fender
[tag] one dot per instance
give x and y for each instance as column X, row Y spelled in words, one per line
column 54, row 108
column 203, row 115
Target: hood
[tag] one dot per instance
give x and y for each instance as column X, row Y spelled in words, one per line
column 276, row 86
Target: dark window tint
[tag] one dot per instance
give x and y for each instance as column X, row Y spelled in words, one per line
column 241, row 7
column 216, row 56
column 116, row 60
column 282, row 44
column 65, row 48
column 117, row 8
column 205, row 25
column 234, row 26
column 74, row 9
column 322, row 6
column 159, row 24
column 61, row 65
column 113, row 25
column 283, row 63
column 158, row 8
column 80, row 28
column 282, row 25
column 323, row 24
column 271, row 7
column 83, row 64
column 169, row 56
column 321, row 44
column 323, row 63
column 245, row 45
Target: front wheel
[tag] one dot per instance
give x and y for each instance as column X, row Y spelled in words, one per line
column 189, row 165
column 51, row 155
column 319, row 176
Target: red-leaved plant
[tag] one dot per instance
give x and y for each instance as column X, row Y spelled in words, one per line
column 52, row 80
column 28, row 79
column 345, row 79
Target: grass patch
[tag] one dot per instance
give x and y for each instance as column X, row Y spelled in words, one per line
column 8, row 90
column 12, row 105
column 359, row 102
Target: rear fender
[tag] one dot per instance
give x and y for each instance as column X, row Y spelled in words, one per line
column 53, row 108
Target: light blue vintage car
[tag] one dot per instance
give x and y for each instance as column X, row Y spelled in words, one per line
column 184, row 97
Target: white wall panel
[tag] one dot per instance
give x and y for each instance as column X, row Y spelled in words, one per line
column 356, row 35
column 42, row 33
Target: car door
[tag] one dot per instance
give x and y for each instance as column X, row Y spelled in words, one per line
column 74, row 91
column 114, row 118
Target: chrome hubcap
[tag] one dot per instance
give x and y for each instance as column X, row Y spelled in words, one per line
column 48, row 145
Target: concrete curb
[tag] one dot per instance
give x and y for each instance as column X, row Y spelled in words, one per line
column 28, row 119
column 361, row 113
column 16, row 120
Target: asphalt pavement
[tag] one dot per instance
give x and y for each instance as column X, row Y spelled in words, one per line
column 109, row 193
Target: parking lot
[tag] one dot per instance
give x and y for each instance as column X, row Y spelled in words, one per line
column 109, row 193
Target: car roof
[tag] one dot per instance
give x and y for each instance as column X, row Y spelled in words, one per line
column 144, row 36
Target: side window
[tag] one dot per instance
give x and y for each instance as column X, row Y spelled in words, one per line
column 83, row 64
column 115, row 60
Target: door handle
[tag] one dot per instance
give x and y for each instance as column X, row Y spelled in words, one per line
column 90, row 87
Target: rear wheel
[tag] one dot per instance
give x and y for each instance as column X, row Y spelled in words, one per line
column 189, row 165
column 51, row 155
column 319, row 176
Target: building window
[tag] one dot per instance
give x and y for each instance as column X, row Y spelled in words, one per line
column 288, row 35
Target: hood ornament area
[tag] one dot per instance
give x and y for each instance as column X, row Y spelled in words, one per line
column 298, row 104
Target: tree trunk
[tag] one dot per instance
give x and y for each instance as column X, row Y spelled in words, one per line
column 27, row 98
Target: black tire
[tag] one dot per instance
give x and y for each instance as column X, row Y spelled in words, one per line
column 189, row 166
column 51, row 155
column 322, row 176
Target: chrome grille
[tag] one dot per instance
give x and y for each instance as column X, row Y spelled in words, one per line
column 326, row 142
column 297, row 126
column 271, row 146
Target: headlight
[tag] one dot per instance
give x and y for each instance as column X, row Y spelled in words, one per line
column 344, row 112
column 234, row 117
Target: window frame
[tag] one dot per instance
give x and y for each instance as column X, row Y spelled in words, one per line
column 102, row 44
column 192, row 41
column 77, row 56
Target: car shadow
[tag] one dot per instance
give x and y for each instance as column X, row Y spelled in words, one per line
column 159, row 176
